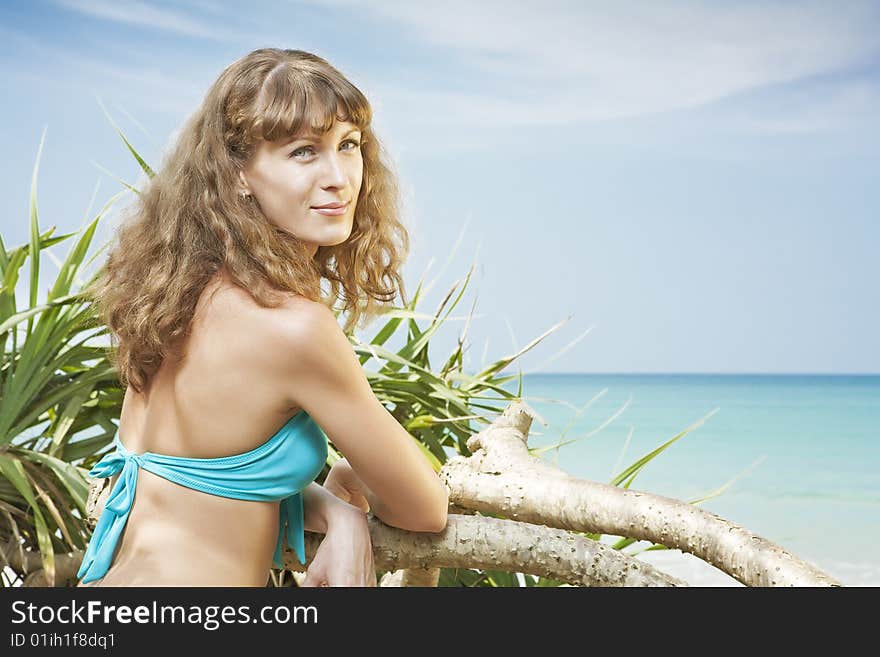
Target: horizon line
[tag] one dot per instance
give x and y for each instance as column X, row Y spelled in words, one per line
column 704, row 373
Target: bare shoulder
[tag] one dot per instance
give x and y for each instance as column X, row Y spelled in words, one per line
column 236, row 306
column 312, row 350
column 301, row 319
column 300, row 327
column 286, row 341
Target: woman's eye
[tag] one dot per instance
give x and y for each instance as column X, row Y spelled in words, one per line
column 355, row 142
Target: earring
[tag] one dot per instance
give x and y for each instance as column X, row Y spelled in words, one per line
column 245, row 195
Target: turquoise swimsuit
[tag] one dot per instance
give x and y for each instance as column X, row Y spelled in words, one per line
column 276, row 470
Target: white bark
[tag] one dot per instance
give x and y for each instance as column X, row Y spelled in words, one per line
column 471, row 541
column 501, row 477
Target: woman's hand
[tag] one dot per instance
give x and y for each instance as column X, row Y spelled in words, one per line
column 344, row 483
column 345, row 556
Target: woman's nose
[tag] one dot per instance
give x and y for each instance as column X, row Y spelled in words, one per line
column 334, row 172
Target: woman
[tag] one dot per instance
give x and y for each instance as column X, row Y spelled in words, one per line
column 224, row 337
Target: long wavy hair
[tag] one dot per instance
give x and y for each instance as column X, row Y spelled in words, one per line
column 190, row 221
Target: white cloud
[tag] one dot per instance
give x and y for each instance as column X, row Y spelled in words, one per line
column 562, row 62
column 525, row 64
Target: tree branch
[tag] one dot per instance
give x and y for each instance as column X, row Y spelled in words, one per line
column 501, row 477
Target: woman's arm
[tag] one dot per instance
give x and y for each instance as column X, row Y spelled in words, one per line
column 322, row 504
column 321, row 508
column 322, row 375
column 345, row 484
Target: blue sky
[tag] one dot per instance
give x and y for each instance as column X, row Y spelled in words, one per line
column 693, row 186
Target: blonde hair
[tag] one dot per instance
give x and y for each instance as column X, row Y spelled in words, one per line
column 190, row 221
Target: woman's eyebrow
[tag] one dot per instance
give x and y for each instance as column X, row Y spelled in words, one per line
column 315, row 136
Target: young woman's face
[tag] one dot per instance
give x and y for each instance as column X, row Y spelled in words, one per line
column 291, row 178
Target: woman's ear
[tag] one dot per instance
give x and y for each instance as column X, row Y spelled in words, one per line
column 245, row 188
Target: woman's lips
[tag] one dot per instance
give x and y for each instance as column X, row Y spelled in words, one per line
column 332, row 211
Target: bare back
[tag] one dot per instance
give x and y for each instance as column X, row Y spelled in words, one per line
column 224, row 397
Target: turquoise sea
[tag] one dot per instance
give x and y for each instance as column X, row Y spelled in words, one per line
column 807, row 448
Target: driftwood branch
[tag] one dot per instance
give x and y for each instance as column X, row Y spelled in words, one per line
column 471, row 541
column 502, row 478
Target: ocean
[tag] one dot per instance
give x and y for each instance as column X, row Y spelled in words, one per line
column 804, row 449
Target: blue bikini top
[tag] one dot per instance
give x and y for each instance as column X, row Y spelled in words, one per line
column 276, row 470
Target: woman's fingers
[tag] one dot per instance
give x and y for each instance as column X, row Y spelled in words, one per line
column 360, row 502
column 365, row 580
column 339, row 491
column 315, row 577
